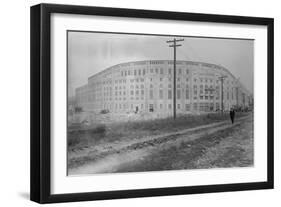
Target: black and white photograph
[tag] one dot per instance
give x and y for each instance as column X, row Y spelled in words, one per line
column 145, row 102
column 133, row 103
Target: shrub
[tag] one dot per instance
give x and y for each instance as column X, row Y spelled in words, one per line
column 104, row 111
column 72, row 141
column 100, row 129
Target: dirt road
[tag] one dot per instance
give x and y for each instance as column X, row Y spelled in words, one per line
column 154, row 152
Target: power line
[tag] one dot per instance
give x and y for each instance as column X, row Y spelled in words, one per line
column 184, row 54
column 194, row 52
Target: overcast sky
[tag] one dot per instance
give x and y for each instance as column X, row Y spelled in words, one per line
column 90, row 53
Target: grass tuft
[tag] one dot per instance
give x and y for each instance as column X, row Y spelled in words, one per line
column 81, row 137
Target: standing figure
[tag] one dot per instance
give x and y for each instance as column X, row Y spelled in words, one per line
column 232, row 115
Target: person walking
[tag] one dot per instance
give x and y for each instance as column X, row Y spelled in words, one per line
column 232, row 115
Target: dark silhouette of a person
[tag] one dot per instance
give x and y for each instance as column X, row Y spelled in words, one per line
column 232, row 115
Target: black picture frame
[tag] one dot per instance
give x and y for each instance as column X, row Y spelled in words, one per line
column 40, row 176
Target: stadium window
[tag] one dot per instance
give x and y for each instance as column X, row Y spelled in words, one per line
column 187, row 107
column 156, row 70
column 151, row 94
column 143, row 72
column 178, row 94
column 160, row 94
column 151, row 108
column 161, row 71
column 201, row 89
column 169, row 94
column 195, row 106
column 170, row 106
column 170, row 71
column 201, row 107
column 187, row 94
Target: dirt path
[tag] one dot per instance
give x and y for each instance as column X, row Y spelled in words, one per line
column 108, row 157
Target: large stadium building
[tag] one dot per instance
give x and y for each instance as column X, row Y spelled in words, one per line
column 147, row 87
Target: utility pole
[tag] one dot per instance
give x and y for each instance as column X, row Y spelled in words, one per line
column 175, row 45
column 237, row 91
column 221, row 78
column 237, row 88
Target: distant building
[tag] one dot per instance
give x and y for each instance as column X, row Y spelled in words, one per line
column 147, row 86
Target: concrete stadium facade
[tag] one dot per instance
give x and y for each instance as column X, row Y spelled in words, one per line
column 147, row 87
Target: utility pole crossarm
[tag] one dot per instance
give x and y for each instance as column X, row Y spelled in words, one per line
column 175, row 40
column 175, row 45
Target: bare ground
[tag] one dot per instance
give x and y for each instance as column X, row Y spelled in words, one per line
column 214, row 145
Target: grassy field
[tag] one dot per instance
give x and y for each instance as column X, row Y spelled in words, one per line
column 227, row 148
column 79, row 136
